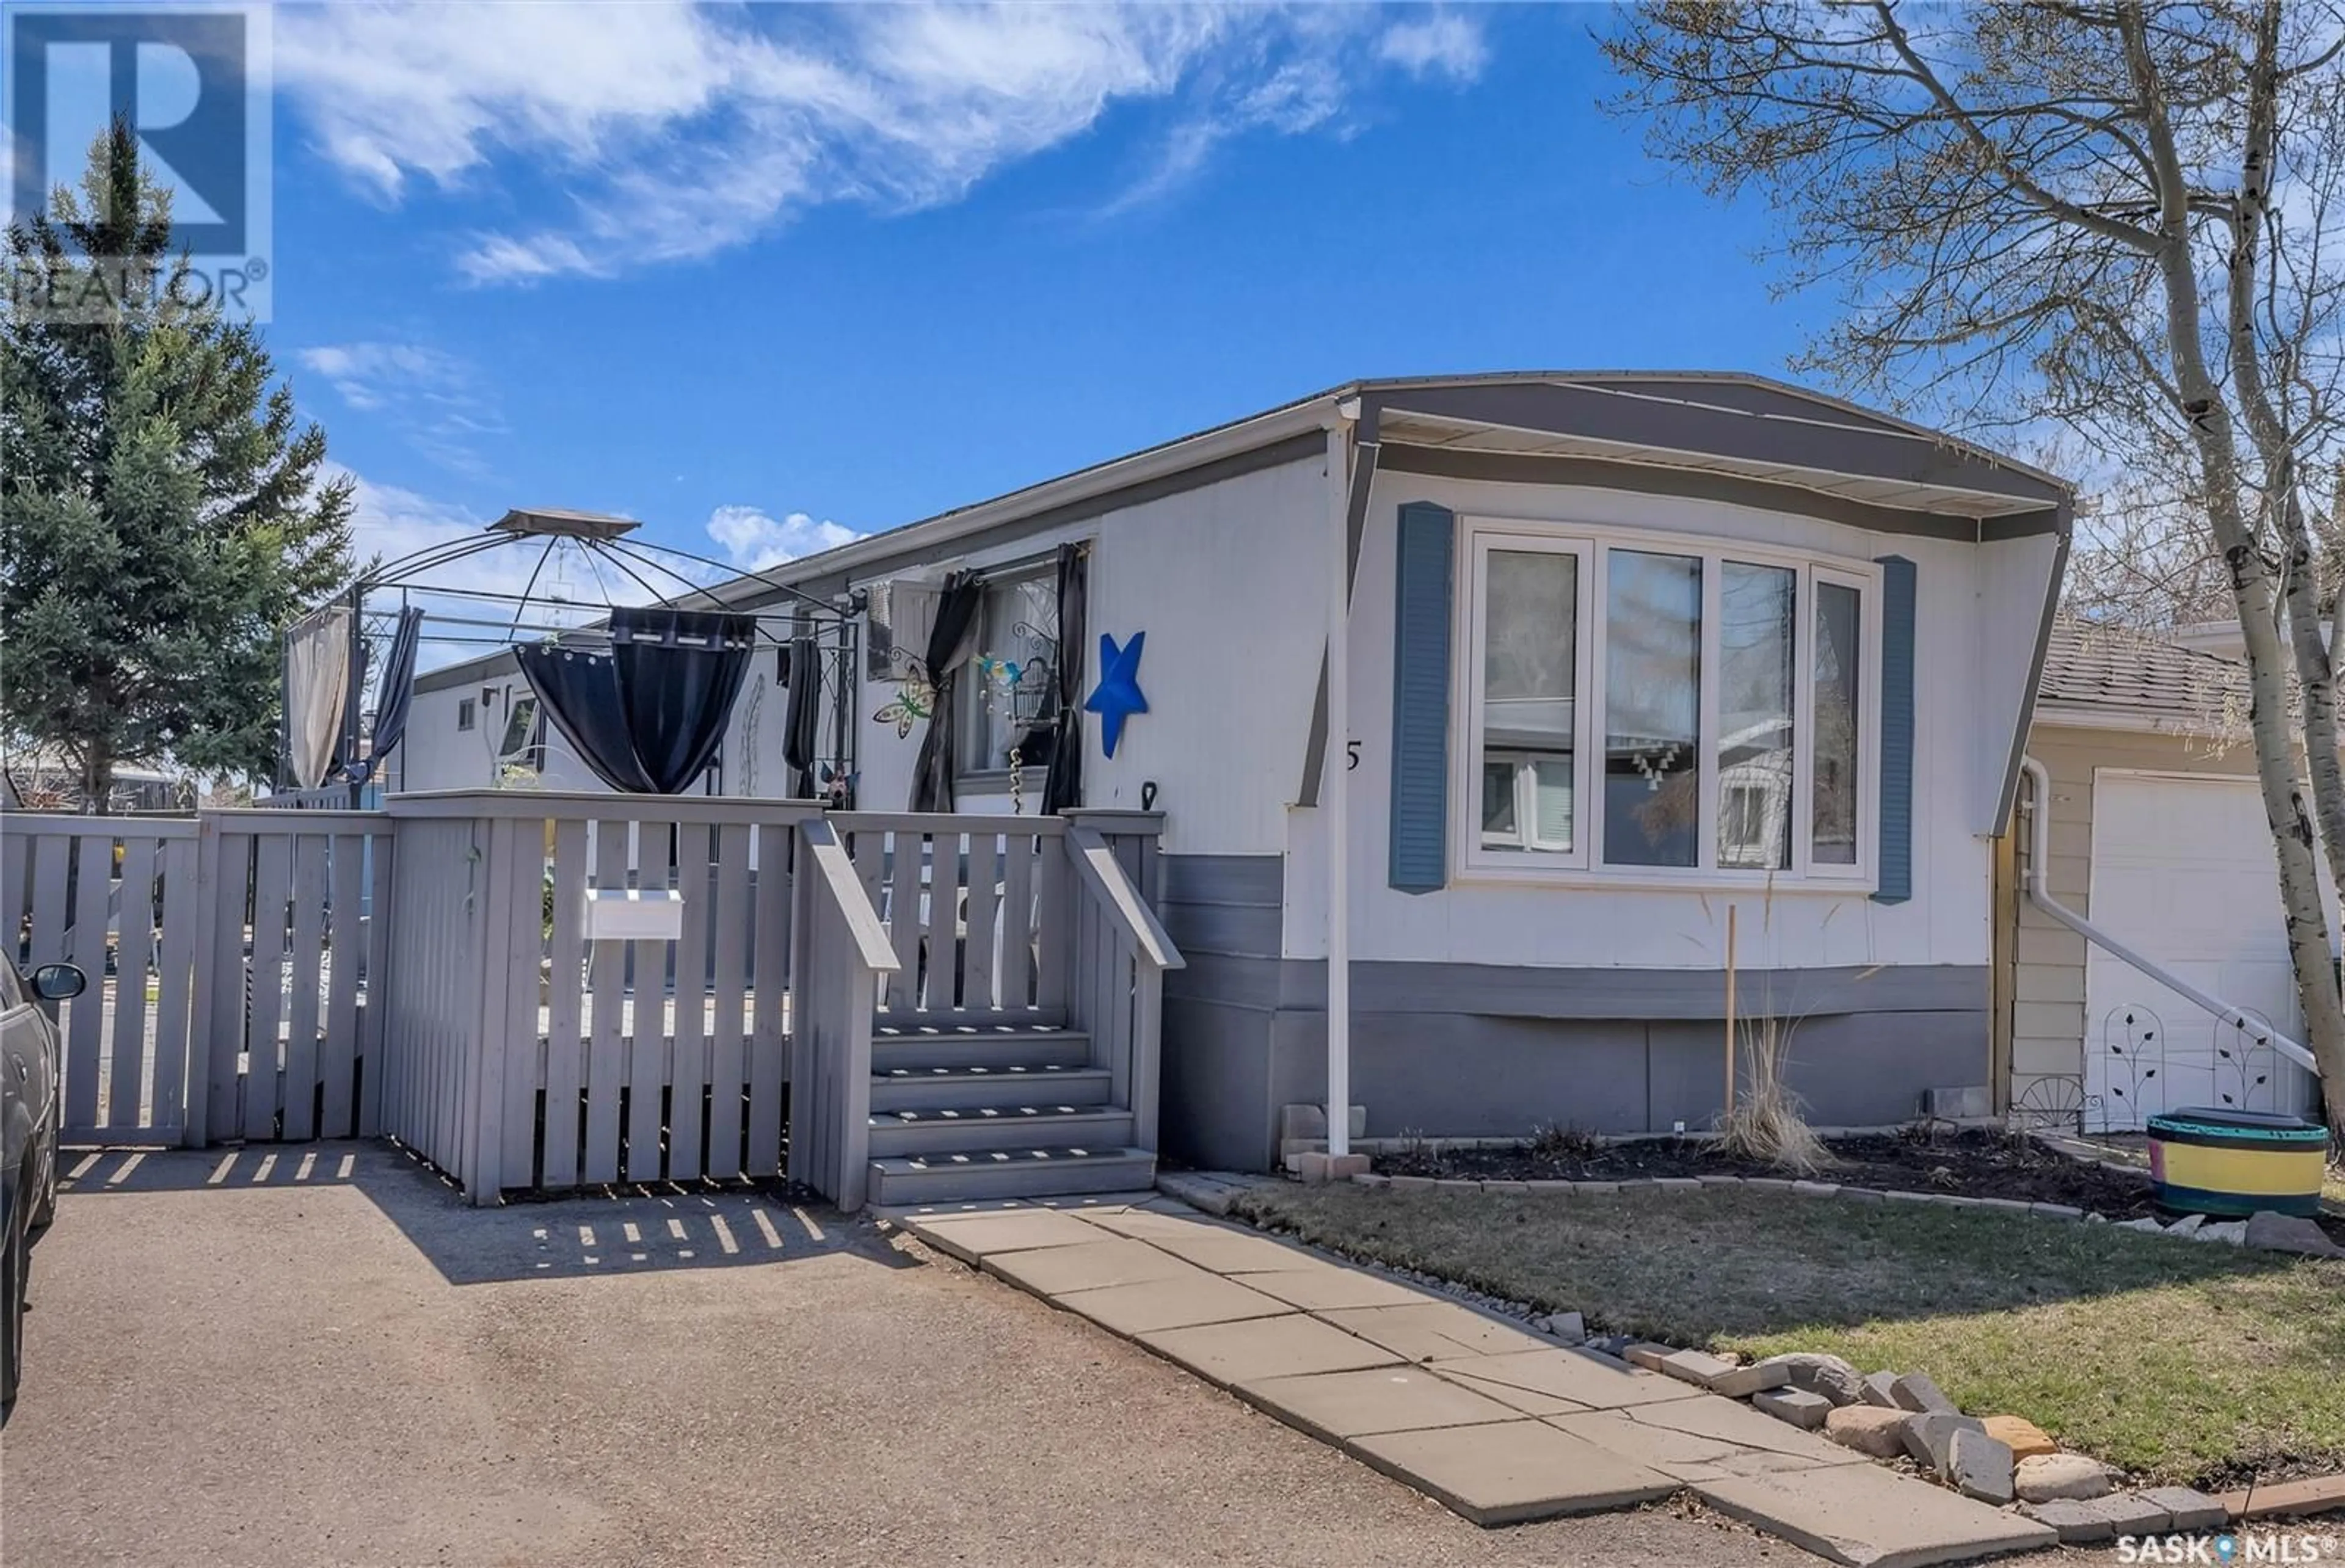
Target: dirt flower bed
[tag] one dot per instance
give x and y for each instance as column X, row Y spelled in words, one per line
column 1966, row 1164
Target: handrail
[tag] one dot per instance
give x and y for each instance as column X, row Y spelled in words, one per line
column 75, row 824
column 2040, row 822
column 309, row 820
column 951, row 824
column 715, row 810
column 1105, row 876
column 846, row 889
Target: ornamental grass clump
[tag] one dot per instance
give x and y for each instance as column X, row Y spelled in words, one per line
column 1765, row 1121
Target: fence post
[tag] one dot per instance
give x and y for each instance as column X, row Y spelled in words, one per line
column 195, row 1079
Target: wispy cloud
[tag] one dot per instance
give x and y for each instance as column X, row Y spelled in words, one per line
column 1444, row 43
column 678, row 131
column 433, row 398
column 754, row 539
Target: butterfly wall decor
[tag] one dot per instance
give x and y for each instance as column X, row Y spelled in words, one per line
column 916, row 696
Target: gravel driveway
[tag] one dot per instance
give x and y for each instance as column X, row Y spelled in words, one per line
column 330, row 1361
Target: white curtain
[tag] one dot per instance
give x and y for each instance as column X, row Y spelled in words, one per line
column 317, row 681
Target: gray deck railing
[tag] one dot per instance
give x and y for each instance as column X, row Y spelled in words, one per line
column 428, row 971
column 843, row 956
column 531, row 1053
column 1120, row 952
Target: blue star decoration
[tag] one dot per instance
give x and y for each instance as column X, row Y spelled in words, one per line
column 1117, row 696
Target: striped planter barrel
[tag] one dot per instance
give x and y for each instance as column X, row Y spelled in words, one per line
column 2235, row 1162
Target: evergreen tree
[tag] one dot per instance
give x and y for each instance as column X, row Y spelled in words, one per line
column 161, row 517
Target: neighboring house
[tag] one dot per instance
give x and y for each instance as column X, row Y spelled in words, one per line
column 1625, row 649
column 45, row 778
column 475, row 725
column 2157, row 836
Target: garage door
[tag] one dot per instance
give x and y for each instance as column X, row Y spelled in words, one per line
column 2184, row 873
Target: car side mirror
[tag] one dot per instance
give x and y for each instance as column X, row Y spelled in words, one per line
column 58, row 982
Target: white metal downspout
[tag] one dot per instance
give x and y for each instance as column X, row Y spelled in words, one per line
column 2039, row 840
column 1332, row 790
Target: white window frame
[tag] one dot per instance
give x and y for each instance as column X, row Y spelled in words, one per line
column 1867, row 582
column 1468, row 664
column 1583, row 864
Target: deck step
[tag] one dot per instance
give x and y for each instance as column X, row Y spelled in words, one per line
column 1004, row 1047
column 979, row 1089
column 1010, row 1173
column 933, row 1132
column 890, row 1021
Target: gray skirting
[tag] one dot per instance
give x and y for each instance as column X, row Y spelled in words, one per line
column 1491, row 1050
column 1229, row 1068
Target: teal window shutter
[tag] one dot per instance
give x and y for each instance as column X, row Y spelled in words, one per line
column 1896, row 849
column 1420, row 744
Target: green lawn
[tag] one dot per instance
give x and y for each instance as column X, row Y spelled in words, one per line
column 2182, row 1363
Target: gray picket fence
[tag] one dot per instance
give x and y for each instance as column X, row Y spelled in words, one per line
column 227, row 957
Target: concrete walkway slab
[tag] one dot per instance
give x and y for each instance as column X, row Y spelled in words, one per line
column 1433, row 1330
column 1185, row 1302
column 973, row 1237
column 1260, row 1347
column 1226, row 1250
column 1727, row 1421
column 1513, row 1470
column 1340, row 1405
column 1326, row 1286
column 1089, row 1266
column 1868, row 1517
column 1559, row 1381
column 1151, row 1223
column 1688, row 1456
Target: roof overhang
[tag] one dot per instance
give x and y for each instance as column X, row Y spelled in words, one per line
column 1730, row 425
column 1750, row 430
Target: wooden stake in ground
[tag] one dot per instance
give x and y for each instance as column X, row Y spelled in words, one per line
column 1730, row 1009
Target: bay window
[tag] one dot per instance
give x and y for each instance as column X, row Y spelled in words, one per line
column 1637, row 707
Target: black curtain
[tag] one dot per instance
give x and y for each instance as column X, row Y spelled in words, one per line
column 801, row 715
column 397, row 691
column 679, row 671
column 1062, row 788
column 932, row 774
column 580, row 691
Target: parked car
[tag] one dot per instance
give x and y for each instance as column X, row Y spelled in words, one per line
column 28, row 1142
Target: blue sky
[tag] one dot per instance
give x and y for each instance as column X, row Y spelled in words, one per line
column 764, row 278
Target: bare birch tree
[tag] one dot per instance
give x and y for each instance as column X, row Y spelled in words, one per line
column 2118, row 222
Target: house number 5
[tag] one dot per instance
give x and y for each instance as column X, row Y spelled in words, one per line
column 1351, row 750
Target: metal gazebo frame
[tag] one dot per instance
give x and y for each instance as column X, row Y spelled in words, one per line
column 600, row 540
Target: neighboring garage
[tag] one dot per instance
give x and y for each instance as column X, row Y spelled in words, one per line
column 2157, row 836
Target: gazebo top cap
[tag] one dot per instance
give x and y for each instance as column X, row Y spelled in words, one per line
column 548, row 520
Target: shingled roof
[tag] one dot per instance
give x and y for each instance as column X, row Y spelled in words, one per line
column 2113, row 671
